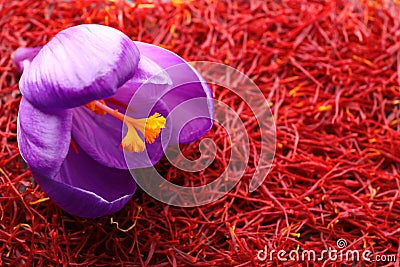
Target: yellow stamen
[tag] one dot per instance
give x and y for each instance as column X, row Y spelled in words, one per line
column 132, row 142
column 149, row 127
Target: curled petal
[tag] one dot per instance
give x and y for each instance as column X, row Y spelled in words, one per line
column 24, row 55
column 85, row 188
column 148, row 74
column 43, row 138
column 187, row 84
column 79, row 65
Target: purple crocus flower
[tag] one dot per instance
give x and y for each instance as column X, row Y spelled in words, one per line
column 72, row 128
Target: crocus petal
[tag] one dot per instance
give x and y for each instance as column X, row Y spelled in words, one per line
column 43, row 138
column 75, row 182
column 24, row 55
column 79, row 65
column 150, row 78
column 187, row 84
column 101, row 136
column 85, row 188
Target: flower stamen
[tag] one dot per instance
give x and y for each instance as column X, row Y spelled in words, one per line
column 149, row 127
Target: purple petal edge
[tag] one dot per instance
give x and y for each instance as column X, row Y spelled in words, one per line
column 80, row 64
column 24, row 55
column 82, row 203
column 43, row 138
column 77, row 183
column 187, row 84
column 85, row 188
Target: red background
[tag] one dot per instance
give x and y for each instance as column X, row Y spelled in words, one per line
column 331, row 71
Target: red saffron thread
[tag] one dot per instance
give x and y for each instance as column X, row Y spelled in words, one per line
column 330, row 70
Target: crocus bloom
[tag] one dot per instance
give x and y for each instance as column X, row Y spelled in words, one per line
column 72, row 128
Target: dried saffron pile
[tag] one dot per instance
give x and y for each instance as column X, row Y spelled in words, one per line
column 331, row 71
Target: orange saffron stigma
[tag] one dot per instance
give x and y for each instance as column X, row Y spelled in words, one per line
column 149, row 127
column 92, row 106
column 73, row 146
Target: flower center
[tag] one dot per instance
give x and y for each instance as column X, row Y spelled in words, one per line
column 149, row 127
